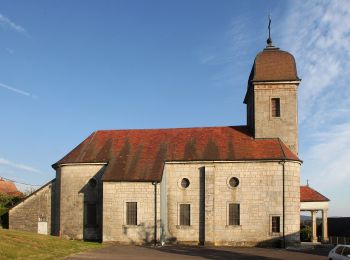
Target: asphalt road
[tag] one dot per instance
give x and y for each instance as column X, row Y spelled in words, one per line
column 188, row 252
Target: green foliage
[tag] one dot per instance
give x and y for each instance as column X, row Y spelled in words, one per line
column 25, row 245
column 3, row 210
column 7, row 201
column 305, row 234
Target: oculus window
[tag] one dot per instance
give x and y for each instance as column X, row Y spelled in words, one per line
column 185, row 183
column 233, row 182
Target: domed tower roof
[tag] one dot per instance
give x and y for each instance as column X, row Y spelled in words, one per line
column 272, row 64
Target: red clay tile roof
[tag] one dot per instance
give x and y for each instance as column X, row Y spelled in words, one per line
column 9, row 188
column 139, row 155
column 308, row 194
column 274, row 65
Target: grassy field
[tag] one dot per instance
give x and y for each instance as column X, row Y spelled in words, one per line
column 26, row 245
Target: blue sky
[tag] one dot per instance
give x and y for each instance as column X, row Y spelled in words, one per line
column 69, row 68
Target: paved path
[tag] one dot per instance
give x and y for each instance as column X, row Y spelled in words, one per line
column 187, row 252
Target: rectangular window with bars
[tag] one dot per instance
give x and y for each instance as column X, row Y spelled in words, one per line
column 185, row 214
column 275, row 107
column 275, row 225
column 131, row 213
column 91, row 215
column 234, row 214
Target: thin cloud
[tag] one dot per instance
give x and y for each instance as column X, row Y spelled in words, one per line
column 18, row 166
column 318, row 34
column 16, row 90
column 234, row 45
column 7, row 23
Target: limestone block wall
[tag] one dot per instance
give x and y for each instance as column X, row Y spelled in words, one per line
column 292, row 202
column 34, row 209
column 115, row 197
column 285, row 126
column 75, row 193
column 177, row 195
column 259, row 194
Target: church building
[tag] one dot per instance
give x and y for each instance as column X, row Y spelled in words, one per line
column 232, row 185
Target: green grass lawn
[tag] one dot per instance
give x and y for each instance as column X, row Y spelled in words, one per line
column 25, row 245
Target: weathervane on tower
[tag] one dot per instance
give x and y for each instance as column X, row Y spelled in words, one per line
column 269, row 40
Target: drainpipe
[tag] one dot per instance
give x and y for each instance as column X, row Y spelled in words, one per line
column 283, row 203
column 155, row 213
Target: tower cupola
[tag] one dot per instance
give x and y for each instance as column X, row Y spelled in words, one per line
column 271, row 96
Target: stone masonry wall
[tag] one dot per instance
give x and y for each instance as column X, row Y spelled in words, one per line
column 37, row 207
column 259, row 195
column 285, row 126
column 115, row 196
column 75, row 192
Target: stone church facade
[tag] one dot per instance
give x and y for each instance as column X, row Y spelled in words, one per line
column 234, row 185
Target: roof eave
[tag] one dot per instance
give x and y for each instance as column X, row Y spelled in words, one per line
column 294, row 81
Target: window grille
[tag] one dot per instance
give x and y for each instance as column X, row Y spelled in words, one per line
column 275, row 224
column 234, row 214
column 275, row 107
column 131, row 213
column 185, row 214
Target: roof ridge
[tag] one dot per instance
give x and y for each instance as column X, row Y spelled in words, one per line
column 315, row 191
column 280, row 143
column 167, row 128
column 88, row 144
column 318, row 192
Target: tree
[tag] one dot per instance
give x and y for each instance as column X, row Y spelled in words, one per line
column 6, row 202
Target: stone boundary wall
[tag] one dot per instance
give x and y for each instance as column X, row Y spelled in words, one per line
column 36, row 208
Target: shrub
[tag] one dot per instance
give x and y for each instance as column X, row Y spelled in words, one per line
column 306, row 234
column 6, row 201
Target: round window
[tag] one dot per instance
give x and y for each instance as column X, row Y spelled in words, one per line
column 185, row 183
column 93, row 182
column 233, row 182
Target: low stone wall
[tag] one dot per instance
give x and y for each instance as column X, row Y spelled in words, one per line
column 34, row 212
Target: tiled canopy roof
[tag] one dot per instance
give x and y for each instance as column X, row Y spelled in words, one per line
column 308, row 194
column 139, row 155
column 9, row 188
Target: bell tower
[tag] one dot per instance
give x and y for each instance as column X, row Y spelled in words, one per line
column 271, row 98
